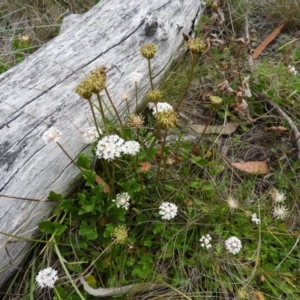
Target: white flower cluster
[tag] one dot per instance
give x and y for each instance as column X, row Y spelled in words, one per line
column 280, row 211
column 233, row 245
column 159, row 107
column 112, row 146
column 255, row 219
column 232, row 202
column 122, row 200
column 90, row 135
column 131, row 147
column 135, row 77
column 125, row 95
column 52, row 134
column 109, row 147
column 278, row 197
column 205, row 241
column 168, row 210
column 292, row 70
column 46, row 278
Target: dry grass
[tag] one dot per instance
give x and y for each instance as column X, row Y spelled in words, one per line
column 40, row 20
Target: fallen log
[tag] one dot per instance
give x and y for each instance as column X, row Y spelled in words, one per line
column 39, row 93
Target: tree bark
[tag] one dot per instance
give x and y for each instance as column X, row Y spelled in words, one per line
column 39, row 93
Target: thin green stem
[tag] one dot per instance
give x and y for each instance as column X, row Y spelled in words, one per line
column 95, row 260
column 127, row 106
column 67, row 154
column 164, row 156
column 61, row 259
column 102, row 113
column 94, row 116
column 114, row 108
column 205, row 128
column 136, row 98
column 150, row 74
column 177, row 291
column 189, row 82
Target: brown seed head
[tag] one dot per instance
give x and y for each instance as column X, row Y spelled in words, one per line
column 215, row 100
column 196, row 45
column 120, row 235
column 97, row 83
column 154, row 96
column 135, row 121
column 167, row 119
column 145, row 166
column 83, row 89
column 148, row 50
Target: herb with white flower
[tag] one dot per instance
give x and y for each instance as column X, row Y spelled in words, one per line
column 168, row 210
column 233, row 245
column 52, row 134
column 91, row 134
column 110, row 147
column 46, row 278
column 122, row 200
column 205, row 241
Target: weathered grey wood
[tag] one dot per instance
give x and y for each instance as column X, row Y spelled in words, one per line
column 39, row 93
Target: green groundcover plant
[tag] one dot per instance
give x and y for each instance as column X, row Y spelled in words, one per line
column 165, row 215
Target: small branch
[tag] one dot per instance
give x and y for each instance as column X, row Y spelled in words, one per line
column 250, row 59
column 287, row 118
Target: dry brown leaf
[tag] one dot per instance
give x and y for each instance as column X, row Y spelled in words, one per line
column 277, row 129
column 218, row 129
column 261, row 47
column 243, row 109
column 106, row 189
column 225, row 87
column 253, row 167
column 246, row 87
column 259, row 295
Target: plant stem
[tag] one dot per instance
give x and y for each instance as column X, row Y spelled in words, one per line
column 205, row 128
column 136, row 98
column 61, row 259
column 177, row 291
column 164, row 156
column 94, row 116
column 102, row 113
column 115, row 110
column 189, row 82
column 150, row 74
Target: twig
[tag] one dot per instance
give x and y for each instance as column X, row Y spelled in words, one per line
column 279, row 265
column 27, row 199
column 287, row 118
column 250, row 59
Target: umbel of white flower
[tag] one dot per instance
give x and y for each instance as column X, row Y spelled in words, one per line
column 52, row 134
column 46, row 278
column 280, row 212
column 122, row 200
column 205, row 241
column 168, row 210
column 112, row 146
column 131, row 147
column 255, row 219
column 159, row 107
column 90, row 135
column 109, row 147
column 233, row 245
column 135, row 77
